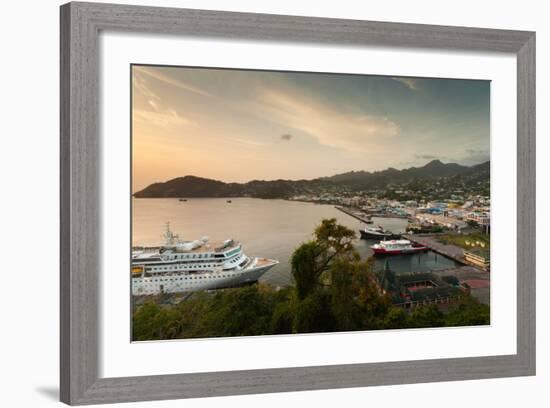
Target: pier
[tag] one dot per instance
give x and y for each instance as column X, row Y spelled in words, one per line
column 385, row 215
column 450, row 251
column 358, row 215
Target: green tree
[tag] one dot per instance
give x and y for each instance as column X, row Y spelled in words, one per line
column 396, row 318
column 194, row 312
column 305, row 268
column 151, row 322
column 142, row 322
column 314, row 314
column 374, row 305
column 241, row 312
column 337, row 239
column 344, row 305
column 427, row 316
column 357, row 302
column 282, row 319
column 312, row 259
column 468, row 312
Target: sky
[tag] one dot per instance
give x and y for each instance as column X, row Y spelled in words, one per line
column 238, row 125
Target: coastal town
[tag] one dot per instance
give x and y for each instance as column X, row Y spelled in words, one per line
column 456, row 213
column 457, row 228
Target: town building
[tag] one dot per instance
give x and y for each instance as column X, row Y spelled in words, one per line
column 411, row 289
column 447, row 222
column 481, row 217
column 478, row 257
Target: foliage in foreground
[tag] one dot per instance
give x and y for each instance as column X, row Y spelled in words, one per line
column 334, row 291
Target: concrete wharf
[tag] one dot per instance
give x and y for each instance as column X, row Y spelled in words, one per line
column 450, row 251
column 357, row 214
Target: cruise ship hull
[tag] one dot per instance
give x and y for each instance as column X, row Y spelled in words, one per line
column 200, row 281
column 191, row 266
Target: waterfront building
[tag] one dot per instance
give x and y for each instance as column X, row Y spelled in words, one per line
column 433, row 210
column 436, row 204
column 481, row 217
column 444, row 221
column 418, row 288
column 479, row 257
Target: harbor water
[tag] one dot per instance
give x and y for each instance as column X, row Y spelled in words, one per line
column 265, row 228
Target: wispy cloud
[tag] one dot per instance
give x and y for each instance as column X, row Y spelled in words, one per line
column 246, row 142
column 425, row 156
column 140, row 85
column 329, row 125
column 156, row 74
column 154, row 111
column 153, row 104
column 476, row 152
column 410, row 83
column 475, row 156
column 166, row 118
column 468, row 157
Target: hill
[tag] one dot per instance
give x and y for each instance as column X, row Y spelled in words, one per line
column 192, row 186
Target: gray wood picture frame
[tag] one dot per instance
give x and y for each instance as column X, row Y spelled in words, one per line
column 81, row 24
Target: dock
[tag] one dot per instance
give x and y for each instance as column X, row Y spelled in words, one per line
column 385, row 215
column 358, row 215
column 450, row 251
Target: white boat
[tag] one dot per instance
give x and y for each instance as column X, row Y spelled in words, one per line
column 376, row 233
column 189, row 266
column 397, row 246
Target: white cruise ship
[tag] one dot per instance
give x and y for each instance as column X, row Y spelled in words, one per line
column 188, row 266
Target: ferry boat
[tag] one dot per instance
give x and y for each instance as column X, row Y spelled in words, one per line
column 397, row 246
column 190, row 266
column 376, row 233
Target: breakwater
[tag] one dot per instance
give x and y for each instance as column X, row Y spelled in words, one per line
column 358, row 215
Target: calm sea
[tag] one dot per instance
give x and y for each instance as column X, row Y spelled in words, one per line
column 266, row 228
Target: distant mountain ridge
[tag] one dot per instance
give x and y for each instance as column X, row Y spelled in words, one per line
column 193, row 186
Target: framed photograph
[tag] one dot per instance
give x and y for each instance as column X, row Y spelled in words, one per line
column 261, row 203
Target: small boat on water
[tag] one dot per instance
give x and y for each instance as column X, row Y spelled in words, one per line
column 183, row 199
column 397, row 247
column 377, row 233
column 229, row 201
